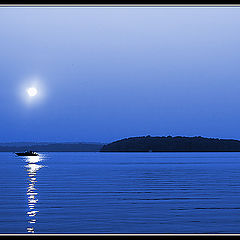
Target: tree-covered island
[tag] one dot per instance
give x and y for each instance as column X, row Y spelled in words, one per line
column 172, row 144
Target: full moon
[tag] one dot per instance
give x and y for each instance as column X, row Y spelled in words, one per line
column 32, row 91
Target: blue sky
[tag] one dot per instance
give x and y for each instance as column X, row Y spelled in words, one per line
column 107, row 73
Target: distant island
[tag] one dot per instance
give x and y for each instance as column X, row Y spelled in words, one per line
column 172, row 144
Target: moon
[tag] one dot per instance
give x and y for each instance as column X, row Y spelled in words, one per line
column 32, row 91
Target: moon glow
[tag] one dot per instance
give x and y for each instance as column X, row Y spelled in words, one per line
column 32, row 91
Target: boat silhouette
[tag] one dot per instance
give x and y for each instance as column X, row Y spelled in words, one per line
column 27, row 153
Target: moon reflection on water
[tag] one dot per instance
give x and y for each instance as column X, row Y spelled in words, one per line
column 32, row 168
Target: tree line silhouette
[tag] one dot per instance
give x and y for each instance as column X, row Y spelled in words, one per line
column 172, row 144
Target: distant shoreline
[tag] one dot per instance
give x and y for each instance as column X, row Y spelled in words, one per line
column 132, row 144
column 52, row 147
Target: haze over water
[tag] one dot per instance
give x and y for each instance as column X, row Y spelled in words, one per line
column 120, row 193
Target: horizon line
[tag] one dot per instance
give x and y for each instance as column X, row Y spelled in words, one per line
column 96, row 142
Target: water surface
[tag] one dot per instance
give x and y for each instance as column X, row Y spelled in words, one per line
column 120, row 193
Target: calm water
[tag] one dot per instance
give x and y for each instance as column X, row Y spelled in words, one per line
column 120, row 193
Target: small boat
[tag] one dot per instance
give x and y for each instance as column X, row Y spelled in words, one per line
column 30, row 153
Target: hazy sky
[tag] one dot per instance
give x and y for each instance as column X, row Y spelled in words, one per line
column 107, row 73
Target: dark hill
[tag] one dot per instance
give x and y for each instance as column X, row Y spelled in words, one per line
column 172, row 144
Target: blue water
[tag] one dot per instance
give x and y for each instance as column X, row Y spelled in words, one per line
column 120, row 193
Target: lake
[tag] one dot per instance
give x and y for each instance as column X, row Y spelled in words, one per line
column 120, row 193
